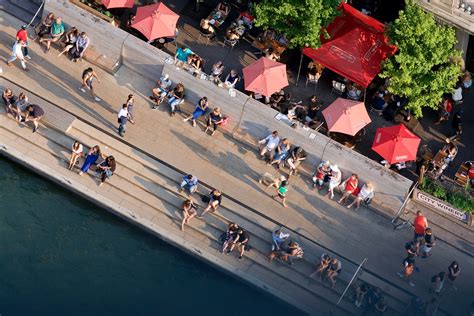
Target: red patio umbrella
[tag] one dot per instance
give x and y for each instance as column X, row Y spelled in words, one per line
column 396, row 143
column 356, row 47
column 155, row 21
column 346, row 116
column 265, row 76
column 110, row 4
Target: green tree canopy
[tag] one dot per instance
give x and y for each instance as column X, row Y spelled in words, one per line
column 424, row 68
column 300, row 21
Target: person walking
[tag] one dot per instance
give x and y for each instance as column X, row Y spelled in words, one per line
column 17, row 53
column 420, row 224
column 428, row 243
column 130, row 105
column 106, row 169
column 189, row 211
column 88, row 75
column 76, row 152
column 456, row 124
column 92, row 156
column 361, row 291
column 438, row 281
column 281, row 192
column 408, row 269
column 34, row 113
column 122, row 119
column 214, row 200
column 22, row 35
column 190, row 183
column 453, row 273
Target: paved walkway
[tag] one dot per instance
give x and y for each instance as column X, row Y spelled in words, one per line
column 229, row 166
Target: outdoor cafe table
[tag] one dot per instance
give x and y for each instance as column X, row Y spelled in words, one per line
column 266, row 43
column 216, row 18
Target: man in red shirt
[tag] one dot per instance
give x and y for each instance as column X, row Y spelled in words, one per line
column 22, row 35
column 420, row 224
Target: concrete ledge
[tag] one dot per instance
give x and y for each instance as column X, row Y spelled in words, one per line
column 104, row 50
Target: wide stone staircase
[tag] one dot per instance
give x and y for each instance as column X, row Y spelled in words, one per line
column 144, row 190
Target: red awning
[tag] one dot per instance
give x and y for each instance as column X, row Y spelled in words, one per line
column 356, row 47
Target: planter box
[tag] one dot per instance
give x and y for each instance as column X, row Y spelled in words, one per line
column 93, row 11
column 440, row 206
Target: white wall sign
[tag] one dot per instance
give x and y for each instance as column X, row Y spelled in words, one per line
column 439, row 206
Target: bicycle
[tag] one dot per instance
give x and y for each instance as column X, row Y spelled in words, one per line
column 401, row 223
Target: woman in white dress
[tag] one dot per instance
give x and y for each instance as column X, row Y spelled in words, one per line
column 366, row 193
column 75, row 154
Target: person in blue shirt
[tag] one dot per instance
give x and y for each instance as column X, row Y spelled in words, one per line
column 182, row 54
column 190, row 183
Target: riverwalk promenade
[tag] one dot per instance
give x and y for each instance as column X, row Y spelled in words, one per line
column 144, row 191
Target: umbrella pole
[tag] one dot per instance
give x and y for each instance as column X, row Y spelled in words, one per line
column 299, row 70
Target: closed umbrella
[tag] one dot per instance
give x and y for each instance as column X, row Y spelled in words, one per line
column 155, row 21
column 265, row 76
column 396, row 143
column 346, row 116
column 110, row 4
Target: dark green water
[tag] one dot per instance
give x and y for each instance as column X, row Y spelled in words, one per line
column 61, row 255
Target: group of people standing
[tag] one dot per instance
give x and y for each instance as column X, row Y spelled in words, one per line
column 421, row 246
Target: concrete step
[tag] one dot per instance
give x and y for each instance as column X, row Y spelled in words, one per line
column 230, row 214
column 258, row 226
column 130, row 202
column 260, row 235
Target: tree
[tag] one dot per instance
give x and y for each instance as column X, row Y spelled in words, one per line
column 300, row 21
column 424, row 68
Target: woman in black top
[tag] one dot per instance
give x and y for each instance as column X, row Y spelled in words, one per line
column 106, row 169
column 175, row 96
column 240, row 241
column 9, row 100
column 215, row 199
column 214, row 119
column 34, row 113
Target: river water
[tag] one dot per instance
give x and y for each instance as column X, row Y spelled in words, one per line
column 62, row 255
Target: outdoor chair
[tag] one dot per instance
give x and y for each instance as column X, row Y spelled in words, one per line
column 231, row 43
column 376, row 111
column 338, row 87
column 312, row 79
column 208, row 37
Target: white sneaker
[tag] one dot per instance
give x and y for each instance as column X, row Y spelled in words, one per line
column 83, row 90
column 27, row 57
column 97, row 99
